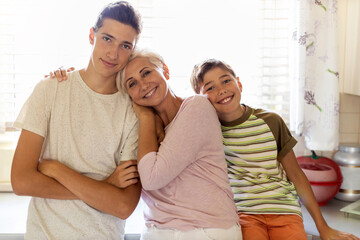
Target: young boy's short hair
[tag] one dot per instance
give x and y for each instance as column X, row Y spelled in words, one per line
column 197, row 76
column 121, row 11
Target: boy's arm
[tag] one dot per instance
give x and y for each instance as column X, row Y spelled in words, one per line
column 303, row 188
column 103, row 196
column 25, row 177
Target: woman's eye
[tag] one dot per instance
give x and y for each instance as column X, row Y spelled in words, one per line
column 145, row 73
column 107, row 39
column 131, row 84
column 227, row 80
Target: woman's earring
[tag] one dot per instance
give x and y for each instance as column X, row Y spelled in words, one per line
column 166, row 71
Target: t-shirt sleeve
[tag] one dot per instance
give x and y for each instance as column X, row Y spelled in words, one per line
column 194, row 133
column 284, row 140
column 35, row 113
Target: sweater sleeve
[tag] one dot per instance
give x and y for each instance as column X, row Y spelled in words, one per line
column 194, row 133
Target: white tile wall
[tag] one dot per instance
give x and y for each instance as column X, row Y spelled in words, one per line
column 349, row 103
column 348, row 137
column 349, row 122
column 349, row 118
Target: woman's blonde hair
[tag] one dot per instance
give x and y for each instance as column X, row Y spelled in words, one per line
column 152, row 57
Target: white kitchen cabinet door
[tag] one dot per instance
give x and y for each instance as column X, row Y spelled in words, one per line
column 349, row 46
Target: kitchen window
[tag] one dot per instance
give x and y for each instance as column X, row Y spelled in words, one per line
column 38, row 36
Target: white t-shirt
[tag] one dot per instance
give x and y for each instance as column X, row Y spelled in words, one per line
column 90, row 133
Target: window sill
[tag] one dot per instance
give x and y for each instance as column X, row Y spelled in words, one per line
column 7, row 149
column 9, row 138
column 5, row 187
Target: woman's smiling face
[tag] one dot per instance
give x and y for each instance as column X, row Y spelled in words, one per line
column 145, row 82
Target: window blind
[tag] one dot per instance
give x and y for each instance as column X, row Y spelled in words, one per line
column 275, row 57
column 7, row 90
column 37, row 36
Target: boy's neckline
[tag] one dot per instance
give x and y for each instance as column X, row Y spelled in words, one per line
column 98, row 84
column 241, row 119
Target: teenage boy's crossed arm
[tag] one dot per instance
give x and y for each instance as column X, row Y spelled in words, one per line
column 118, row 195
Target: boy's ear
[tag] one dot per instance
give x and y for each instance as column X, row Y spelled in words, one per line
column 239, row 83
column 166, row 71
column 91, row 36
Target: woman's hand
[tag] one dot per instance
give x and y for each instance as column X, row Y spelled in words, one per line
column 60, row 74
column 159, row 126
column 124, row 175
column 142, row 111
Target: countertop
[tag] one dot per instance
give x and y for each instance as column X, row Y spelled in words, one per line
column 13, row 214
column 334, row 218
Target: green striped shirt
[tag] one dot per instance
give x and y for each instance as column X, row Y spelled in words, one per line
column 254, row 147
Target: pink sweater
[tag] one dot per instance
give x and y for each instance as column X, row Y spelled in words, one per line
column 185, row 183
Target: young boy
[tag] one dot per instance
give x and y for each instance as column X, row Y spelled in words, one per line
column 264, row 174
column 83, row 131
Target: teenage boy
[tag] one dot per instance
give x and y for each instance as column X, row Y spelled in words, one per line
column 77, row 133
column 264, row 174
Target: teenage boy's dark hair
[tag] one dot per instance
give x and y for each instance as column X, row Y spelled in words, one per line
column 121, row 11
column 197, row 76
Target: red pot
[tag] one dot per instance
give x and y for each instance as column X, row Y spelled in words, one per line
column 324, row 176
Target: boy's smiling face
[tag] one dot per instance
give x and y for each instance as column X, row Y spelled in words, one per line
column 224, row 92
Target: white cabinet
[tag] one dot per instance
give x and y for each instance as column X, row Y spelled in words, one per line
column 349, row 46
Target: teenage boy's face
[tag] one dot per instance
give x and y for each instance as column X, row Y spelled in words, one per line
column 113, row 44
column 224, row 92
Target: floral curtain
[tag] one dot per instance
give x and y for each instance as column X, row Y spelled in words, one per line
column 314, row 110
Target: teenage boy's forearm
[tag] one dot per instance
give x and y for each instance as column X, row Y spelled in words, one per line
column 26, row 180
column 36, row 184
column 99, row 194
